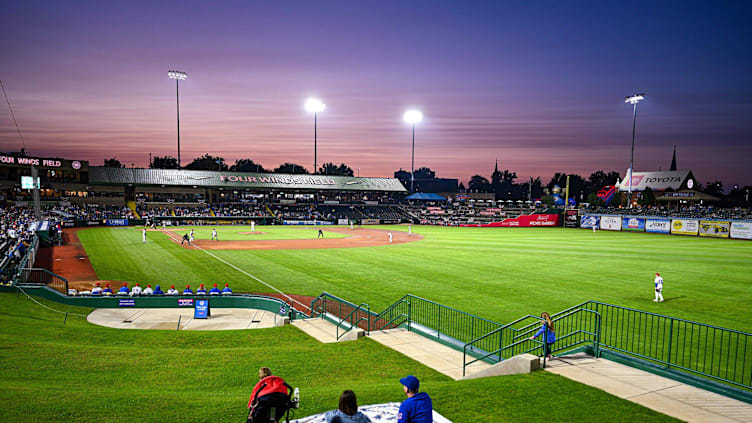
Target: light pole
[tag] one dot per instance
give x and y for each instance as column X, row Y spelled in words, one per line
column 315, row 106
column 412, row 117
column 633, row 100
column 177, row 76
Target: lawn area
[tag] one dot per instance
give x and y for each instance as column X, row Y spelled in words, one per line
column 242, row 232
column 80, row 372
column 497, row 273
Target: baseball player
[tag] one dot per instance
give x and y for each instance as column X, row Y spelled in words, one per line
column 321, row 234
column 136, row 290
column 97, row 290
column 185, row 238
column 253, row 226
column 148, row 290
column 351, row 225
column 143, row 236
column 172, row 290
column 164, row 225
column 390, row 237
column 191, row 240
column 658, row 288
column 214, row 234
column 409, row 229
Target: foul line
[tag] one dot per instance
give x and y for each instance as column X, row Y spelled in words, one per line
column 50, row 308
column 175, row 237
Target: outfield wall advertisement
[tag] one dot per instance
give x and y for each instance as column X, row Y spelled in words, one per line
column 636, row 224
column 589, row 221
column 714, row 228
column 571, row 218
column 659, row 226
column 741, row 230
column 684, row 226
column 523, row 221
column 611, row 223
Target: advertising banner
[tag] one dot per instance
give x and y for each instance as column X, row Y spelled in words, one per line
column 571, row 219
column 684, row 227
column 636, row 224
column 714, row 228
column 116, row 222
column 523, row 221
column 611, row 223
column 202, row 310
column 660, row 226
column 369, row 221
column 185, row 302
column 590, row 221
column 305, row 222
column 741, row 230
column 343, row 221
column 127, row 303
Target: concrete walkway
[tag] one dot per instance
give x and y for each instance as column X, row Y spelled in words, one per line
column 425, row 351
column 319, row 329
column 658, row 393
column 167, row 318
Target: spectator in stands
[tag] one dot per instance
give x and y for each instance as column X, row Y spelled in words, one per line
column 136, row 290
column 172, row 290
column 123, row 289
column 148, row 290
column 214, row 290
column 107, row 289
column 347, row 411
column 97, row 290
column 158, row 290
column 548, row 328
column 227, row 290
column 187, row 290
column 417, row 408
column 201, row 290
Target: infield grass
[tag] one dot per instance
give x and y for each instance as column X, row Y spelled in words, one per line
column 497, row 273
column 242, row 232
column 79, row 372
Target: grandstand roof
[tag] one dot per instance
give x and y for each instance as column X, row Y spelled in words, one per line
column 659, row 181
column 425, row 196
column 237, row 180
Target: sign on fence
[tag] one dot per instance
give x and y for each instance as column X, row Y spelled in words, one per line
column 684, row 227
column 202, row 310
column 185, row 302
column 636, row 224
column 611, row 223
column 571, row 219
column 714, row 228
column 590, row 221
column 661, row 226
column 130, row 302
column 741, row 230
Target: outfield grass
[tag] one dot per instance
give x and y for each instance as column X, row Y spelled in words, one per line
column 238, row 232
column 82, row 372
column 497, row 273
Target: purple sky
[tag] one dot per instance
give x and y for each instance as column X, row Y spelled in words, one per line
column 541, row 87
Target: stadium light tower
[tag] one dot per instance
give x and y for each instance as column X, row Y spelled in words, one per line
column 633, row 100
column 315, row 106
column 412, row 117
column 177, row 76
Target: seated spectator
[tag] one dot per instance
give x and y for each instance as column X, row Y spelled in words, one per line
column 227, row 290
column 97, row 290
column 201, row 290
column 270, row 393
column 187, row 290
column 172, row 290
column 347, row 411
column 158, row 290
column 123, row 289
column 136, row 290
column 148, row 290
column 214, row 290
column 107, row 290
column 417, row 408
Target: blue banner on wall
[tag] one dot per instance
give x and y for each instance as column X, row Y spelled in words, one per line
column 202, row 309
column 660, row 226
column 116, row 222
column 185, row 302
column 130, row 302
column 589, row 221
column 636, row 224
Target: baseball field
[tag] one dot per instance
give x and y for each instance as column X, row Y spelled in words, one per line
column 81, row 372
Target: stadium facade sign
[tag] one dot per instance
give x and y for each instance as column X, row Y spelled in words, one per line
column 714, row 228
column 684, row 226
column 611, row 223
column 741, row 230
column 660, row 226
column 658, row 181
column 44, row 163
column 635, row 224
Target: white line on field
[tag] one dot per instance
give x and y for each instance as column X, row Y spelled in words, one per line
column 174, row 236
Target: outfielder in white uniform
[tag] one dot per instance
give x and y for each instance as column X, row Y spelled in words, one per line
column 390, row 237
column 214, row 234
column 253, row 226
column 191, row 237
column 143, row 236
column 658, row 288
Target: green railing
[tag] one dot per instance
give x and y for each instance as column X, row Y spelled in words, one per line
column 39, row 276
column 347, row 315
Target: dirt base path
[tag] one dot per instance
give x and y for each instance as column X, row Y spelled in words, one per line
column 359, row 237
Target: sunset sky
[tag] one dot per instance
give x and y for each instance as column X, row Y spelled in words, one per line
column 538, row 85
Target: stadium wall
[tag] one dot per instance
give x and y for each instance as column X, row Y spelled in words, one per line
column 706, row 228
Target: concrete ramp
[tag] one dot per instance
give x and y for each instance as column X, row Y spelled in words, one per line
column 517, row 365
column 168, row 319
column 325, row 331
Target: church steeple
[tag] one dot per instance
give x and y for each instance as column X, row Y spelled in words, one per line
column 496, row 175
column 673, row 160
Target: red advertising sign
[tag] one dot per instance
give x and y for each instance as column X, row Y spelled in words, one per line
column 523, row 221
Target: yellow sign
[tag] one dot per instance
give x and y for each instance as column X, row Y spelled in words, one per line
column 715, row 228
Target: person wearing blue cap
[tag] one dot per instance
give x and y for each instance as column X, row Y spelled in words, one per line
column 417, row 408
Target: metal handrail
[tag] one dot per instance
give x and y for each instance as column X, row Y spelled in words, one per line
column 355, row 324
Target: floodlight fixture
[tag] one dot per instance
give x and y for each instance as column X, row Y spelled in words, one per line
column 413, row 116
column 175, row 74
column 634, row 99
column 314, row 105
